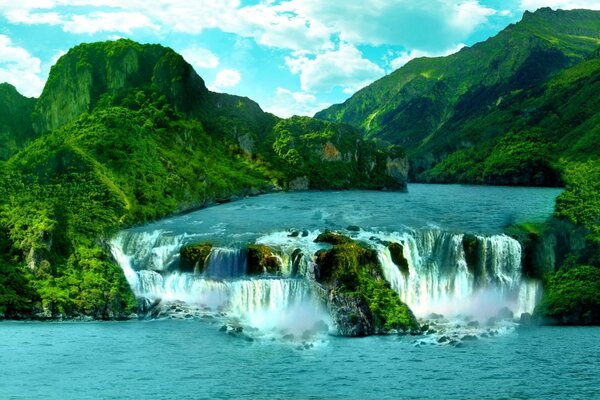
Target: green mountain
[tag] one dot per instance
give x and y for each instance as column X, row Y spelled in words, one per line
column 501, row 96
column 15, row 122
column 125, row 133
column 522, row 108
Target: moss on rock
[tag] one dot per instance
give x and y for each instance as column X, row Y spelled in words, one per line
column 261, row 260
column 352, row 273
column 193, row 257
column 332, row 238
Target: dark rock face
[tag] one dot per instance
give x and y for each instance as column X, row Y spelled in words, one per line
column 471, row 248
column 261, row 260
column 351, row 315
column 397, row 253
column 193, row 257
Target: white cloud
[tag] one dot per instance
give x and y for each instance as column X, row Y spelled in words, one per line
column 200, row 57
column 124, row 22
column 433, row 24
column 287, row 103
column 289, row 24
column 56, row 56
column 20, row 68
column 406, row 56
column 465, row 17
column 226, row 78
column 533, row 5
column 344, row 67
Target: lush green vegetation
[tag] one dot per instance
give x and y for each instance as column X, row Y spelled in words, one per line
column 127, row 133
column 504, row 111
column 573, row 297
column 353, row 270
column 15, row 125
column 521, row 108
column 331, row 155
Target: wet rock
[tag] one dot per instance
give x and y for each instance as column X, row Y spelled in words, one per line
column 469, row 338
column 525, row 319
column 397, row 253
column 471, row 249
column 332, row 238
column 505, row 313
column 491, row 321
column 294, row 234
column 146, row 306
column 304, row 233
column 353, row 228
column 261, row 260
column 473, row 324
column 431, row 332
column 192, row 257
column 223, row 328
column 443, row 339
column 435, row 316
column 351, row 314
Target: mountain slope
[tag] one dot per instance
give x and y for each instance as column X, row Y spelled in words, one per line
column 128, row 133
column 419, row 104
column 15, row 120
column 523, row 139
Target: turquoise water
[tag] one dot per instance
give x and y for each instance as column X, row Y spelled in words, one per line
column 193, row 360
column 456, row 208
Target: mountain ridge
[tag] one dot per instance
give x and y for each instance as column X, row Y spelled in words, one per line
column 413, row 105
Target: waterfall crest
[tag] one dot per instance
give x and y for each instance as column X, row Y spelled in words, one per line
column 441, row 272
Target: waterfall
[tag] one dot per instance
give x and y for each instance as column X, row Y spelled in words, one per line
column 270, row 304
column 442, row 279
column 443, row 273
column 226, row 263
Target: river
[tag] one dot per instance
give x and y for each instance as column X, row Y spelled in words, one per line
column 193, row 360
column 223, row 334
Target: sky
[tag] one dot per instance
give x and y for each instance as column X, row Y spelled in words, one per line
column 291, row 56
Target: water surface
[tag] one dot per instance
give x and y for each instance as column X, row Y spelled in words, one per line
column 193, row 360
column 457, row 208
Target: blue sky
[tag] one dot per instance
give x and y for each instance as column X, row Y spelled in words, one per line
column 292, row 56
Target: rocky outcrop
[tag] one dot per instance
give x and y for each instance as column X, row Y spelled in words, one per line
column 192, row 257
column 261, row 260
column 397, row 169
column 397, row 253
column 299, row 184
column 80, row 78
column 360, row 300
column 351, row 314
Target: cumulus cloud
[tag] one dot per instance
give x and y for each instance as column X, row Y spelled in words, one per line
column 344, row 67
column 533, row 5
column 20, row 68
column 406, row 56
column 433, row 24
column 287, row 103
column 226, row 78
column 200, row 57
column 310, row 25
column 124, row 22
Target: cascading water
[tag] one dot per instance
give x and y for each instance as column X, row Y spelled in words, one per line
column 280, row 304
column 441, row 272
column 442, row 278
